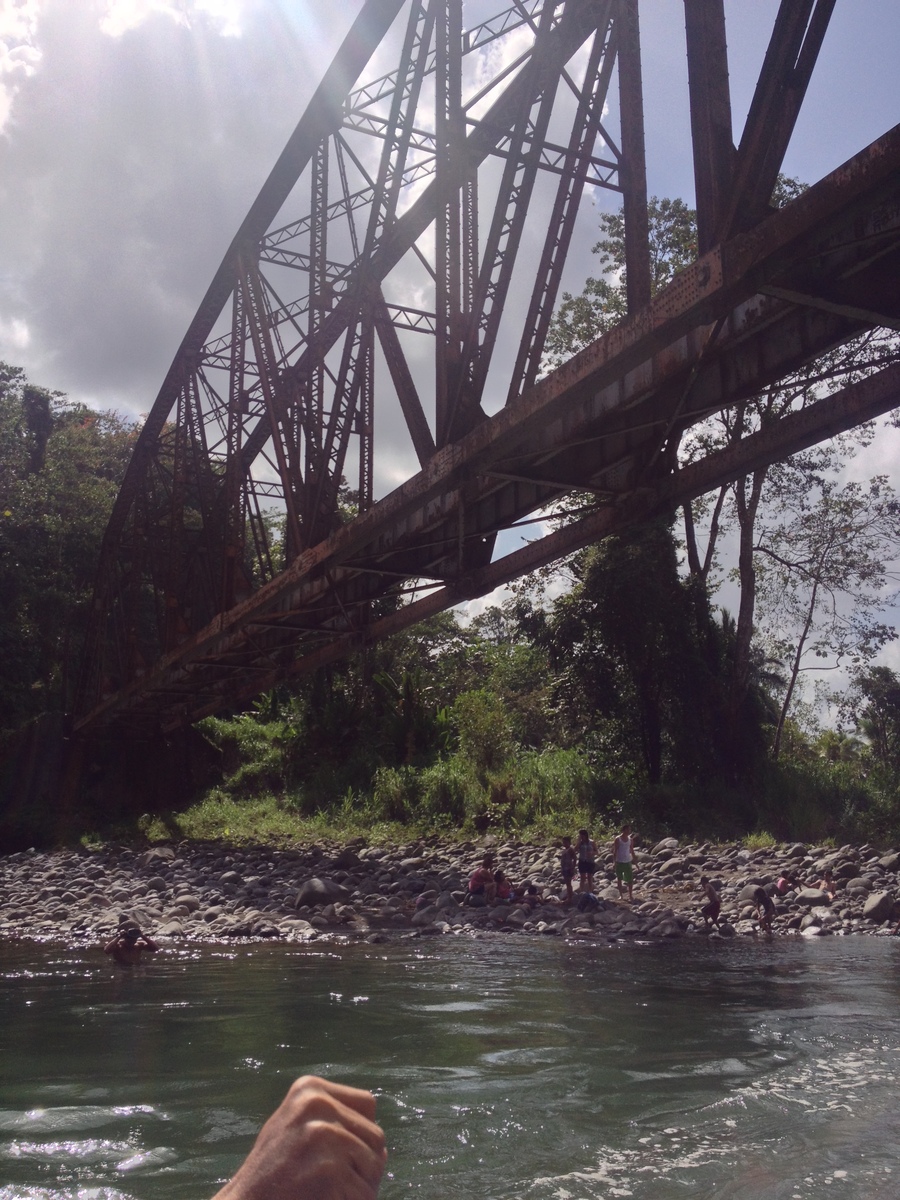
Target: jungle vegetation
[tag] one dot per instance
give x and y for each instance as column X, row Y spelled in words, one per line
column 678, row 674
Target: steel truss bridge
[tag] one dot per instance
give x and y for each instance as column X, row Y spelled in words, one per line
column 398, row 271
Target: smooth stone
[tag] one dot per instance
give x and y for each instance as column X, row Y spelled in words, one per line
column 320, row 891
column 667, row 844
column 811, row 897
column 878, row 906
column 672, row 865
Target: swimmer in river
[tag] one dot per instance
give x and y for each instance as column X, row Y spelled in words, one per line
column 322, row 1142
column 129, row 944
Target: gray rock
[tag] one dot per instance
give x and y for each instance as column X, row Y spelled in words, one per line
column 347, row 859
column 858, row 886
column 811, row 897
column 672, row 865
column 666, row 846
column 320, row 891
column 158, row 855
column 878, row 906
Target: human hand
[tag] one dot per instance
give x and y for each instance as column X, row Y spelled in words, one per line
column 321, row 1143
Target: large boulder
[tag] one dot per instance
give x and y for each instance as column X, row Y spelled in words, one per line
column 878, row 906
column 346, row 860
column 667, row 846
column 811, row 897
column 672, row 866
column 158, row 855
column 320, row 891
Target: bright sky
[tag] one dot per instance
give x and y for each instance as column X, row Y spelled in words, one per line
column 134, row 134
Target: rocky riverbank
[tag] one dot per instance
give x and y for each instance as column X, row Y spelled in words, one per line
column 204, row 892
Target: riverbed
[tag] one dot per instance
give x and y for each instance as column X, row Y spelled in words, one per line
column 505, row 1068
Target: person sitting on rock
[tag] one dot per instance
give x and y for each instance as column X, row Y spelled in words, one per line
column 532, row 897
column 784, row 884
column 827, row 885
column 711, row 911
column 765, row 907
column 503, row 886
column 129, row 944
column 481, row 881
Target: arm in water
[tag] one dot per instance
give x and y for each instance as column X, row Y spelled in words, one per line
column 321, row 1143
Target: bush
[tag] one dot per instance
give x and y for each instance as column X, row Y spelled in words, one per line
column 396, row 794
column 449, row 791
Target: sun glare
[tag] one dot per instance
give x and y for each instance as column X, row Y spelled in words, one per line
column 122, row 15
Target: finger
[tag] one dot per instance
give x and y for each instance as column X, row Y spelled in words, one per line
column 359, row 1099
column 367, row 1132
column 357, row 1159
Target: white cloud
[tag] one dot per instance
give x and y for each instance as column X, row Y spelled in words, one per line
column 123, row 15
column 18, row 54
column 14, row 335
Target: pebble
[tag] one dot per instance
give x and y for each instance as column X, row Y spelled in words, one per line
column 205, row 892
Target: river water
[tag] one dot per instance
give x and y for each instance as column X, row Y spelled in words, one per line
column 505, row 1067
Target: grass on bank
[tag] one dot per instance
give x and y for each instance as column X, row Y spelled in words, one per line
column 265, row 820
column 262, row 797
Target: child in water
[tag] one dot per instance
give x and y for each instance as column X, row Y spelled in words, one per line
column 129, row 944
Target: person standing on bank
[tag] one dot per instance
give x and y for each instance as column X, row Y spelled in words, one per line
column 623, row 862
column 567, row 867
column 587, row 861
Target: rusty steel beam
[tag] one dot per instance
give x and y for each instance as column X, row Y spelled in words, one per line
column 633, row 173
column 711, row 133
column 271, row 404
column 709, row 338
column 853, row 405
column 797, row 37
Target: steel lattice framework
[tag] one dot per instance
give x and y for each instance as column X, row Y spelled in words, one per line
column 403, row 260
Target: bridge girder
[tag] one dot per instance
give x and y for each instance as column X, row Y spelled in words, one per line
column 191, row 611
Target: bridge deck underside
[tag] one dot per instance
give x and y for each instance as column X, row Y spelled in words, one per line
column 744, row 316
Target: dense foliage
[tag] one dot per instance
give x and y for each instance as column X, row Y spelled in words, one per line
column 60, row 469
column 610, row 684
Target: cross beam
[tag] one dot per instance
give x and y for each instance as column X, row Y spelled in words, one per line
column 739, row 319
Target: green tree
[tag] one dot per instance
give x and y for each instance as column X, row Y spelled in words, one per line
column 828, row 554
column 637, row 657
column 873, row 704
column 736, row 508
column 60, row 468
column 581, row 319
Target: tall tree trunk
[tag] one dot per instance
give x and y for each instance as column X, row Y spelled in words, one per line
column 795, row 671
column 747, row 507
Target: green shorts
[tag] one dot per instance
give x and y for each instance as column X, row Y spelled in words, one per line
column 624, row 872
